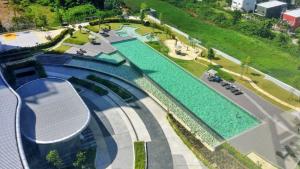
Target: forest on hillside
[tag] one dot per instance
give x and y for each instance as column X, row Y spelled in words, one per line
column 52, row 13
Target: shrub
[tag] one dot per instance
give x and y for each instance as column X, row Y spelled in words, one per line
column 140, row 155
column 123, row 93
column 88, row 85
column 114, row 20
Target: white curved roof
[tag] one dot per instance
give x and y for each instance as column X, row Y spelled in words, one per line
column 11, row 149
column 52, row 111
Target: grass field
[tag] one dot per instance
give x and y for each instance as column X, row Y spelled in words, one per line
column 264, row 56
column 78, row 38
column 61, row 49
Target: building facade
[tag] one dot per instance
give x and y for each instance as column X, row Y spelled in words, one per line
column 271, row 9
column 292, row 18
column 243, row 5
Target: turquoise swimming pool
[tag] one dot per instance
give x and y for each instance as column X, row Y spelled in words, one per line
column 126, row 31
column 216, row 111
column 113, row 58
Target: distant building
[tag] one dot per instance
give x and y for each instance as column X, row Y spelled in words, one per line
column 243, row 5
column 271, row 9
column 293, row 18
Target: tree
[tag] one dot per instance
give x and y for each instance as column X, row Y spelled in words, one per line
column 161, row 18
column 143, row 9
column 210, row 54
column 282, row 39
column 2, row 28
column 80, row 160
column 144, row 6
column 101, row 16
column 80, row 28
column 54, row 159
column 70, row 31
column 297, row 31
column 142, row 15
column 41, row 21
column 236, row 17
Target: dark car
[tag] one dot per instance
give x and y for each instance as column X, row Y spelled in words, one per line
column 218, row 79
column 234, row 89
column 228, row 87
column 238, row 93
column 224, row 83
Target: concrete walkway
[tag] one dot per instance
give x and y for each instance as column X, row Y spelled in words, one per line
column 115, row 145
column 153, row 116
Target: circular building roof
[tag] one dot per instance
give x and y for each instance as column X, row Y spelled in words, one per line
column 52, row 111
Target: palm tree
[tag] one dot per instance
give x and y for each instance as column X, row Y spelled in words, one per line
column 210, row 55
column 243, row 65
column 80, row 27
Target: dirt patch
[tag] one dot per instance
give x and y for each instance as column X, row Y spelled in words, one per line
column 7, row 13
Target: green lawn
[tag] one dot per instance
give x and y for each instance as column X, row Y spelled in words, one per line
column 140, row 155
column 264, row 56
column 60, row 50
column 78, row 38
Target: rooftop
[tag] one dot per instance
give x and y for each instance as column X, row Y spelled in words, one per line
column 271, row 4
column 52, row 111
column 294, row 13
column 11, row 151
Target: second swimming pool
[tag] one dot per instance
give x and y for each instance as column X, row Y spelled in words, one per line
column 216, row 111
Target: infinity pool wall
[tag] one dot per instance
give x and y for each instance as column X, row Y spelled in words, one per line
column 216, row 111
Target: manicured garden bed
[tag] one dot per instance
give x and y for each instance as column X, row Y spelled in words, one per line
column 123, row 93
column 88, row 85
column 140, row 155
column 225, row 157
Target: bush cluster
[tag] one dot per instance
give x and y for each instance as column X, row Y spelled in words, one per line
column 114, row 20
column 123, row 93
column 88, row 85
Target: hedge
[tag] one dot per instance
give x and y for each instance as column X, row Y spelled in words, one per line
column 140, row 155
column 124, row 94
column 88, row 85
column 114, row 20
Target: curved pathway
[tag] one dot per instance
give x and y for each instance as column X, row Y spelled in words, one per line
column 165, row 150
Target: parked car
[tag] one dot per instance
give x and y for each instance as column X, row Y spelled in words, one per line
column 224, row 83
column 233, row 90
column 228, row 87
column 218, row 79
column 238, row 93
